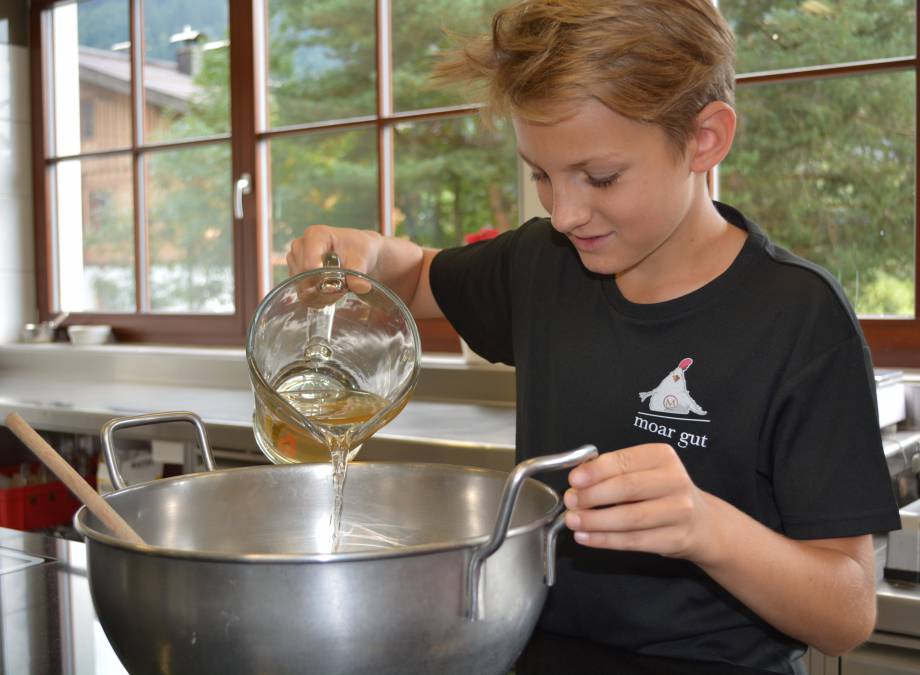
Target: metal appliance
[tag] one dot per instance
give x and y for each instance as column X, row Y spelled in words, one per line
column 894, row 647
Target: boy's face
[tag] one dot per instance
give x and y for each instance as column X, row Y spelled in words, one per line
column 616, row 188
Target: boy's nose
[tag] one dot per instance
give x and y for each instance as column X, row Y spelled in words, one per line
column 568, row 213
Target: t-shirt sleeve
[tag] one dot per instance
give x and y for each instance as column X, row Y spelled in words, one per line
column 830, row 477
column 472, row 286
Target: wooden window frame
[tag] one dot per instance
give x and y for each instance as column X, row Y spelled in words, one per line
column 250, row 256
column 894, row 342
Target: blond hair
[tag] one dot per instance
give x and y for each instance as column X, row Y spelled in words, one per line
column 653, row 61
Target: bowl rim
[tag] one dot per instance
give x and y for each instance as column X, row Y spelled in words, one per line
column 94, row 535
column 89, row 328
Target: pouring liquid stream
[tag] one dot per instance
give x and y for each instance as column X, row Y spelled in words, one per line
column 333, row 357
column 340, row 411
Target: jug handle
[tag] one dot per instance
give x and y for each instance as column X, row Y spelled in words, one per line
column 513, row 484
column 110, row 427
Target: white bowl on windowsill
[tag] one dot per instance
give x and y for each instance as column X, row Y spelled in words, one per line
column 89, row 335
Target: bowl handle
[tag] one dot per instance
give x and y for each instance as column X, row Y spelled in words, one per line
column 513, row 484
column 110, row 427
column 549, row 553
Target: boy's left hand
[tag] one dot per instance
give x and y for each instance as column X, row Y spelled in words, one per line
column 639, row 499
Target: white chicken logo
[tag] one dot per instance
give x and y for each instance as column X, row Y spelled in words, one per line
column 671, row 395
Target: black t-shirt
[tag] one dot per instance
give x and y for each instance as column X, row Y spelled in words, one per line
column 761, row 381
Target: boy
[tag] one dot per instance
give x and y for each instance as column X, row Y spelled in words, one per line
column 730, row 520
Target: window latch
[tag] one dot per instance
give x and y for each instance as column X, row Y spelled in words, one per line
column 243, row 186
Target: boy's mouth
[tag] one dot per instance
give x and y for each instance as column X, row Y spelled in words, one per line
column 589, row 243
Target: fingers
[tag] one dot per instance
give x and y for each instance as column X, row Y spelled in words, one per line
column 648, row 515
column 307, row 251
column 639, row 498
column 667, row 541
column 658, row 526
column 630, row 487
column 353, row 248
column 358, row 285
column 637, row 458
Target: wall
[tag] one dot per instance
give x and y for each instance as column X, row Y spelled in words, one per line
column 17, row 259
column 527, row 190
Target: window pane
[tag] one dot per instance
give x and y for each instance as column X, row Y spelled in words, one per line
column 95, row 234
column 790, row 33
column 321, row 179
column 91, row 75
column 190, row 230
column 453, row 177
column 186, row 69
column 419, row 35
column 321, row 60
column 827, row 167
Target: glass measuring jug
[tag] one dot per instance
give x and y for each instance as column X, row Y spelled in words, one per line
column 333, row 356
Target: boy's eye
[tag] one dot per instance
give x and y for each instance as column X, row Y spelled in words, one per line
column 607, row 181
column 538, row 177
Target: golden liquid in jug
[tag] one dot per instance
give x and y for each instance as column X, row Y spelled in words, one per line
column 338, row 411
column 338, row 415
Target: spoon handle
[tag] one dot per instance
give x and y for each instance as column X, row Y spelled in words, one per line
column 98, row 506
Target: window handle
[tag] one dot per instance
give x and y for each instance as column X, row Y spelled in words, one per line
column 243, row 186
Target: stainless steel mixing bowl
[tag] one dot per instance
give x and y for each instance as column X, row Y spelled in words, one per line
column 234, row 577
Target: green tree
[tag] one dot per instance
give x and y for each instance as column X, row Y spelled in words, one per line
column 827, row 166
column 452, row 176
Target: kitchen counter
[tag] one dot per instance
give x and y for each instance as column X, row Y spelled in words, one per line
column 898, row 608
column 49, row 626
column 76, row 390
column 55, row 404
column 46, row 613
column 461, row 413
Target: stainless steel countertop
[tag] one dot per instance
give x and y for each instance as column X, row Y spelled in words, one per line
column 898, row 602
column 48, row 624
column 47, row 618
column 898, row 608
column 460, row 433
column 84, row 406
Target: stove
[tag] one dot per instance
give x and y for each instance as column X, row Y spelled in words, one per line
column 46, row 613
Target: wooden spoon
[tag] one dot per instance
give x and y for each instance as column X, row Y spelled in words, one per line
column 98, row 506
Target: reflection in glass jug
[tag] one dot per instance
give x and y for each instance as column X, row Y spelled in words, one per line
column 333, row 356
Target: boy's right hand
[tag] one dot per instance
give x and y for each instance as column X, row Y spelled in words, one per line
column 356, row 249
column 397, row 263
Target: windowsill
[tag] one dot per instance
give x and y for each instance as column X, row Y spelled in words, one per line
column 444, row 377
column 461, row 413
column 429, row 360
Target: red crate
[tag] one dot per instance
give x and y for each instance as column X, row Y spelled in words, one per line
column 36, row 507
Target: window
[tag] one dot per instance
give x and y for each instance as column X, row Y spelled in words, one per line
column 97, row 208
column 133, row 204
column 87, row 119
column 219, row 130
column 332, row 121
column 825, row 156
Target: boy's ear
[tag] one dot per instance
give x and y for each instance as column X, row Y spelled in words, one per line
column 715, row 131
